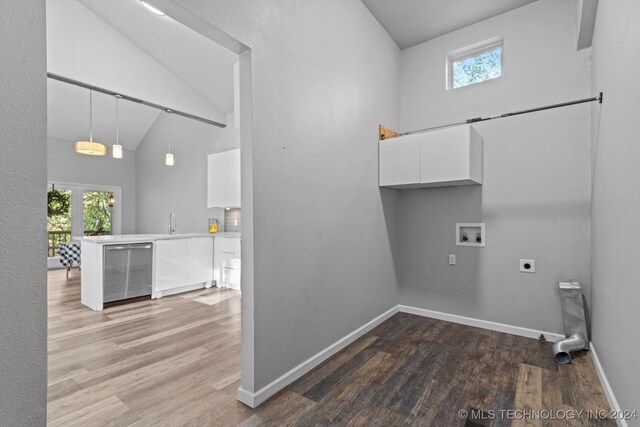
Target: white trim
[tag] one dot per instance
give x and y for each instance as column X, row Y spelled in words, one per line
column 248, row 398
column 254, row 399
column 608, row 391
column 478, row 323
column 186, row 288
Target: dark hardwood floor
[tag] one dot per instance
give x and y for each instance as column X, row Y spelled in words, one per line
column 417, row 371
column 175, row 361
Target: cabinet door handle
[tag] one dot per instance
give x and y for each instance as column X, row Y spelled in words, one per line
column 126, row 247
column 228, row 268
column 229, row 253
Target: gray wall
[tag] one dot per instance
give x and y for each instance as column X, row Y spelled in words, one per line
column 320, row 88
column 616, row 204
column 23, row 183
column 535, row 196
column 182, row 188
column 65, row 165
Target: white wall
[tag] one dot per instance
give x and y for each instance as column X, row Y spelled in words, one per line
column 23, row 183
column 65, row 165
column 320, row 88
column 535, row 196
column 182, row 188
column 616, row 205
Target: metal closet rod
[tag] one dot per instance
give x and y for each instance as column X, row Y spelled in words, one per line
column 132, row 99
column 515, row 113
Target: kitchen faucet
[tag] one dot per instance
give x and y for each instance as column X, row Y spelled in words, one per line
column 172, row 223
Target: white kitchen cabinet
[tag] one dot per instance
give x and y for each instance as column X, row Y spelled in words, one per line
column 217, row 180
column 233, row 178
column 223, row 186
column 182, row 265
column 227, row 262
column 199, row 260
column 438, row 158
column 170, row 263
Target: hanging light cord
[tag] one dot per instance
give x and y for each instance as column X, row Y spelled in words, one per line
column 170, row 120
column 91, row 116
column 117, row 117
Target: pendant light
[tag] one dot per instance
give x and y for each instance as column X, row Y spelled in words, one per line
column 90, row 147
column 117, row 148
column 168, row 158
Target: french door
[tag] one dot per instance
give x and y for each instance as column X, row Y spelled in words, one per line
column 80, row 210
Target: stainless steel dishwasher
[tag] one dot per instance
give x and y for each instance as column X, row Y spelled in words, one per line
column 127, row 271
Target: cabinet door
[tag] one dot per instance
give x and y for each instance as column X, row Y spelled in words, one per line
column 170, row 264
column 200, row 260
column 217, row 180
column 444, row 155
column 228, row 245
column 230, row 271
column 227, row 262
column 233, row 179
column 400, row 161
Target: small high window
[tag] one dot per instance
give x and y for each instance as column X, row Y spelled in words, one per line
column 474, row 64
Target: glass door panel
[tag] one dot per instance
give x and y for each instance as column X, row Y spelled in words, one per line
column 97, row 212
column 59, row 218
column 79, row 210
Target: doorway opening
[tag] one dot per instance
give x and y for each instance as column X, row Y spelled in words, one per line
column 182, row 348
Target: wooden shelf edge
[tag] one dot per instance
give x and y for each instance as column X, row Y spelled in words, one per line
column 386, row 132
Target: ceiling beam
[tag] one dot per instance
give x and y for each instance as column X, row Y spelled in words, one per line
column 133, row 99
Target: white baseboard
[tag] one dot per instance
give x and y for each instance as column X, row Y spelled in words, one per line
column 246, row 397
column 608, row 391
column 187, row 288
column 254, row 399
column 478, row 323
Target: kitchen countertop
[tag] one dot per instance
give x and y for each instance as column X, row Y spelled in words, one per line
column 136, row 238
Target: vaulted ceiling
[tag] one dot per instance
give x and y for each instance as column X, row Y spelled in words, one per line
column 121, row 46
column 410, row 22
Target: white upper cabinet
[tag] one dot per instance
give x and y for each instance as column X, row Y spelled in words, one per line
column 217, row 180
column 233, row 178
column 438, row 158
column 400, row 161
column 223, row 187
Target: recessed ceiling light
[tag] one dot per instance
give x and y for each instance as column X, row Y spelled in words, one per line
column 152, row 9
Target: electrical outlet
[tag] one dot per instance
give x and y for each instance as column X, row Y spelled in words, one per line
column 452, row 259
column 527, row 266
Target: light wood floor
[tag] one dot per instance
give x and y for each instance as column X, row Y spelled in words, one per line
column 176, row 361
column 173, row 361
